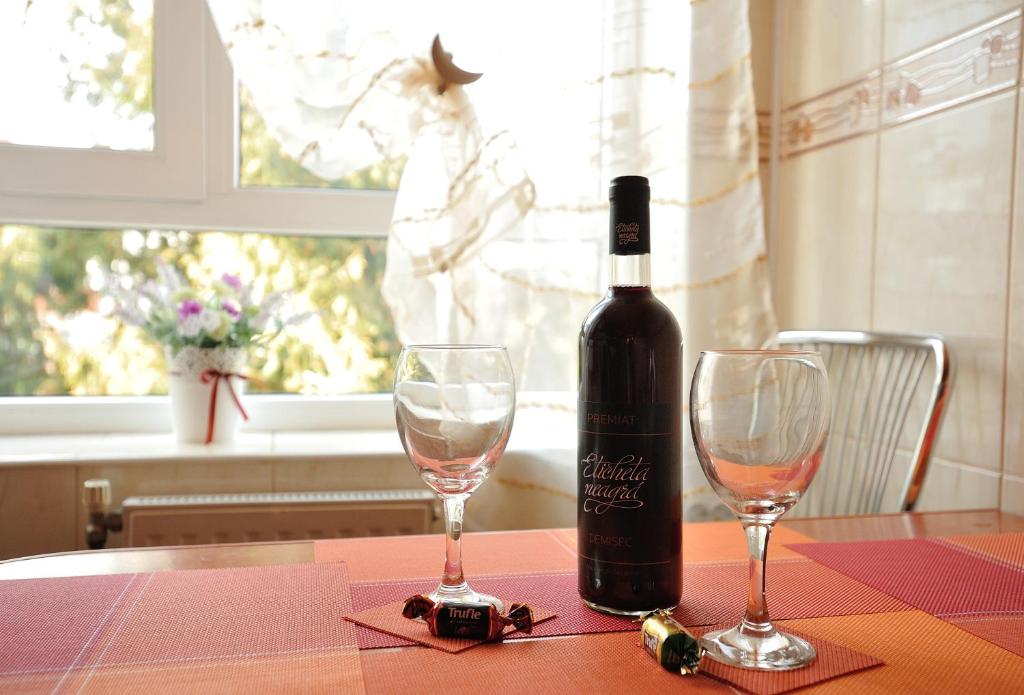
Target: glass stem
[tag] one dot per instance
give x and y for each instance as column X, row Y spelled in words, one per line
column 454, row 505
column 755, row 621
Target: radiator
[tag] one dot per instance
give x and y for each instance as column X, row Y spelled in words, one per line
column 279, row 516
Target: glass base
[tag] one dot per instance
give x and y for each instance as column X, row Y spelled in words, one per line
column 627, row 614
column 463, row 593
column 769, row 651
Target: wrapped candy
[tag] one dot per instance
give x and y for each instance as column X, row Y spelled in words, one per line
column 670, row 643
column 467, row 620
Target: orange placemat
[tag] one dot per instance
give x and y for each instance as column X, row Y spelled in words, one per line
column 594, row 664
column 1003, row 629
column 224, row 630
column 962, row 585
column 606, row 663
column 1006, row 631
column 410, row 557
column 388, row 619
column 1004, row 547
column 923, row 656
column 724, row 541
column 833, row 660
column 715, row 541
column 523, row 552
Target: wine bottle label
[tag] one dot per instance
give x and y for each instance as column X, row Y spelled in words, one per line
column 629, row 239
column 626, row 459
column 630, row 233
column 629, row 203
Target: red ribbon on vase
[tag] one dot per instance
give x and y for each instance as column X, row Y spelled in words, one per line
column 213, row 375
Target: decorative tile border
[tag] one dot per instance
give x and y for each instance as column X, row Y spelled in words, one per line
column 831, row 117
column 975, row 63
column 764, row 135
column 980, row 61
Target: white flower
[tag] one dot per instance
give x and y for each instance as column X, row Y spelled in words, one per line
column 296, row 319
column 169, row 276
column 245, row 296
column 190, row 326
column 216, row 323
column 155, row 293
column 223, row 328
column 131, row 315
column 270, row 305
column 209, row 319
column 259, row 322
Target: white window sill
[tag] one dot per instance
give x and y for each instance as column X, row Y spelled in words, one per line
column 541, row 434
column 54, row 449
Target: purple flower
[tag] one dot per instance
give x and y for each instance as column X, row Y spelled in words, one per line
column 232, row 309
column 189, row 307
column 232, row 280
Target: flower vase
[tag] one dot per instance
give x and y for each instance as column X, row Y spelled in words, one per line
column 206, row 388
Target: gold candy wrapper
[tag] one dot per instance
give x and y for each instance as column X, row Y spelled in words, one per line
column 670, row 643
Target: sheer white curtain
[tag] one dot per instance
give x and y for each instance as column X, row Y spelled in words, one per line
column 500, row 226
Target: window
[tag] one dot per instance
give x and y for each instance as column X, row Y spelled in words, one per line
column 146, row 145
column 60, row 339
column 170, row 158
column 85, row 76
column 262, row 163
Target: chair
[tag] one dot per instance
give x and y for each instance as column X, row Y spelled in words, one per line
column 885, row 418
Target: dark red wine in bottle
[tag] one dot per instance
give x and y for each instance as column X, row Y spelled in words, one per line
column 629, row 509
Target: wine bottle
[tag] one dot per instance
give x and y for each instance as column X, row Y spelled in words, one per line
column 629, row 504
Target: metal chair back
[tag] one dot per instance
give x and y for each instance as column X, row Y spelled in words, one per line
column 882, row 405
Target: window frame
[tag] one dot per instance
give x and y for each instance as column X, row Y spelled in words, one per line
column 104, row 188
column 188, row 181
column 61, row 415
column 172, row 170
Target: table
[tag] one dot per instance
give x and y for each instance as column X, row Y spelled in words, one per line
column 488, row 553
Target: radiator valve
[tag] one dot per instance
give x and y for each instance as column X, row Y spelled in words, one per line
column 96, row 498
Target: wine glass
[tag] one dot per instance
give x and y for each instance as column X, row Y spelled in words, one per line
column 454, row 406
column 759, row 420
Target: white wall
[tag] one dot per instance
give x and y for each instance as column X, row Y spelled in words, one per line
column 898, row 197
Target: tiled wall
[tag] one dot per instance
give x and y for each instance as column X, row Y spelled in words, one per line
column 40, row 510
column 896, row 200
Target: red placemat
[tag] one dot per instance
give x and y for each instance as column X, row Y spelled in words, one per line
column 48, row 626
column 935, row 577
column 795, row 589
column 556, row 592
column 968, row 588
column 712, row 594
column 224, row 630
column 388, row 619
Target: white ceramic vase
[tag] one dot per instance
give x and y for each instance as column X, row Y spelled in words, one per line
column 190, row 396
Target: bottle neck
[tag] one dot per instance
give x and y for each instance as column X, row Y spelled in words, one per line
column 633, row 270
column 629, row 237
